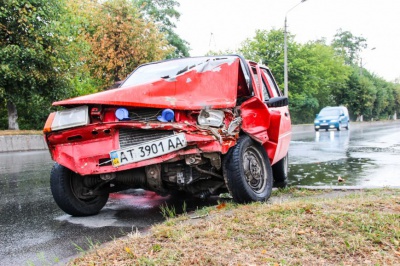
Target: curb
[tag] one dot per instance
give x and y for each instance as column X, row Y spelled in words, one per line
column 22, row 143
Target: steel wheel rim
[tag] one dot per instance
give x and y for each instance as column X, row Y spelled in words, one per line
column 254, row 170
column 77, row 188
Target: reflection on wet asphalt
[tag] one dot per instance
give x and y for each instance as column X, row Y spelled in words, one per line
column 34, row 231
column 364, row 157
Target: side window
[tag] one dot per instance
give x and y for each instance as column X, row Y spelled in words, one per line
column 276, row 91
column 265, row 91
column 255, row 75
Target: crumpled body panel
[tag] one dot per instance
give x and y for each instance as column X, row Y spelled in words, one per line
column 214, row 86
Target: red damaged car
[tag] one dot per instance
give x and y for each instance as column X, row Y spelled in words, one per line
column 202, row 125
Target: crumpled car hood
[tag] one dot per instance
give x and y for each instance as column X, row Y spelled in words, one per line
column 201, row 84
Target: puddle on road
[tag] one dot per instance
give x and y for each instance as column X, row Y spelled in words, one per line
column 328, row 173
column 329, row 156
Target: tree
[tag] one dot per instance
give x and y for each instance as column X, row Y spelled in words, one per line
column 314, row 70
column 120, row 40
column 163, row 13
column 267, row 47
column 32, row 63
column 359, row 95
column 349, row 46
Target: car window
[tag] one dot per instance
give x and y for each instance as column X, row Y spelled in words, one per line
column 255, row 75
column 277, row 92
column 265, row 91
column 170, row 69
column 330, row 112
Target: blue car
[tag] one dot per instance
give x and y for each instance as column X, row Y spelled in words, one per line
column 336, row 117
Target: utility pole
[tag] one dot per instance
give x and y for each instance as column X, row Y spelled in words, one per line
column 285, row 67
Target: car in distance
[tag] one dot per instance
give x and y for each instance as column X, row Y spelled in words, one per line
column 335, row 117
column 200, row 126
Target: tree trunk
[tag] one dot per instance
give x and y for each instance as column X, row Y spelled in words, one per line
column 12, row 116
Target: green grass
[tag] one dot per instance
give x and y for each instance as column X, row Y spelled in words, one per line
column 302, row 228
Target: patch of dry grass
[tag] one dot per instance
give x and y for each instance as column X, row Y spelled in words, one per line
column 361, row 228
column 20, row 132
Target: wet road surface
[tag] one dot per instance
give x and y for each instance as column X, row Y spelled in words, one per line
column 365, row 157
column 34, row 231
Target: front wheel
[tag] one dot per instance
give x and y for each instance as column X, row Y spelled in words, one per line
column 280, row 171
column 248, row 172
column 71, row 193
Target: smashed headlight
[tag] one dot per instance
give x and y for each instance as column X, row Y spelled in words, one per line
column 213, row 118
column 73, row 117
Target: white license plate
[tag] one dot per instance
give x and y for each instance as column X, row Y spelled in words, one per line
column 148, row 150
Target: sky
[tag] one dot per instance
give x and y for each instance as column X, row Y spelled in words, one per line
column 221, row 25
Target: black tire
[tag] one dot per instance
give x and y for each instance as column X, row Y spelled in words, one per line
column 316, row 129
column 67, row 186
column 338, row 128
column 348, row 126
column 280, row 171
column 256, row 185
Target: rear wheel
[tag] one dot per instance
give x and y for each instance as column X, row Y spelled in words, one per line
column 280, row 171
column 71, row 193
column 248, row 172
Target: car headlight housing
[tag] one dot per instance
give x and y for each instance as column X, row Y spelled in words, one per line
column 69, row 118
column 213, row 118
column 316, row 121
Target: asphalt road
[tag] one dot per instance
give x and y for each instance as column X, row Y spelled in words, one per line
column 34, row 231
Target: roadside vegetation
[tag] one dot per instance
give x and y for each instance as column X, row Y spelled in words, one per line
column 20, row 132
column 52, row 50
column 295, row 227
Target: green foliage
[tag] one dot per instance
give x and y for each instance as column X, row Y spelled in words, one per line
column 163, row 13
column 51, row 50
column 3, row 115
column 167, row 211
column 121, row 40
column 348, row 45
column 314, row 70
column 32, row 59
column 267, row 47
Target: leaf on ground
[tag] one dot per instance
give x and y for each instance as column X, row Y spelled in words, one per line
column 221, row 206
column 308, row 211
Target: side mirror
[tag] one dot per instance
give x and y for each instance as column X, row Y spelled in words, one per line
column 278, row 102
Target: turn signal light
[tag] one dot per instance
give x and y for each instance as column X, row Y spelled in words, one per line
column 49, row 122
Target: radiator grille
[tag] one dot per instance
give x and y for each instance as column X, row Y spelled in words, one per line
column 144, row 114
column 129, row 137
